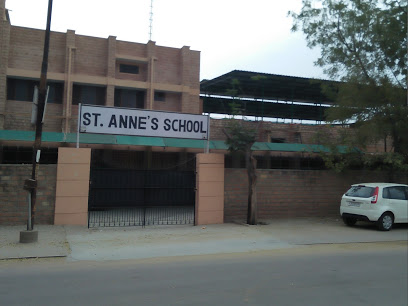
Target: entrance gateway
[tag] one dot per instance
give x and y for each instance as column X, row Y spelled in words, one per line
column 141, row 197
column 135, row 197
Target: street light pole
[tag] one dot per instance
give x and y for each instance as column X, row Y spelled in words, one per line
column 40, row 111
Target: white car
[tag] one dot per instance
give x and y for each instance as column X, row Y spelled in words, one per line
column 383, row 203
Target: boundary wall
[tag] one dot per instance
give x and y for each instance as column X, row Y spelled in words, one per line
column 221, row 194
column 14, row 199
column 293, row 193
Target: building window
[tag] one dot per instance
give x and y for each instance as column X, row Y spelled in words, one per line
column 20, row 90
column 23, row 90
column 278, row 140
column 125, row 68
column 24, row 155
column 297, row 137
column 129, row 98
column 55, row 93
column 159, row 96
column 85, row 94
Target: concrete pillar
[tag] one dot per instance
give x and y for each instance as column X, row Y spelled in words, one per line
column 185, row 66
column 110, row 95
column 69, row 71
column 189, row 103
column 71, row 201
column 111, row 71
column 210, row 189
column 151, row 55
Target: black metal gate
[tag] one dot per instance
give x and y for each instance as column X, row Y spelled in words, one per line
column 140, row 197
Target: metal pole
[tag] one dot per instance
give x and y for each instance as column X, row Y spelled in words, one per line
column 45, row 104
column 79, row 121
column 29, row 212
column 208, row 134
column 41, row 104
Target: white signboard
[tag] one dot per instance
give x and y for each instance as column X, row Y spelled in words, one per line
column 137, row 122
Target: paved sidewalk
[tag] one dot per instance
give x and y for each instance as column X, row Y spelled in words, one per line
column 163, row 241
column 51, row 242
column 326, row 231
column 81, row 243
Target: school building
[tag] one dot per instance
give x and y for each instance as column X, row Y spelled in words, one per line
column 115, row 179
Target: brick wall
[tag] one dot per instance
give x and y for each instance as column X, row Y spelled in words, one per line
column 171, row 103
column 94, row 61
column 288, row 131
column 91, row 56
column 57, row 52
column 13, row 198
column 131, row 48
column 53, row 118
column 293, row 133
column 194, row 70
column 4, row 51
column 168, row 65
column 26, row 48
column 18, row 116
column 141, row 76
column 292, row 193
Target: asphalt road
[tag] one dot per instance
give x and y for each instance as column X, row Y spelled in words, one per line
column 345, row 274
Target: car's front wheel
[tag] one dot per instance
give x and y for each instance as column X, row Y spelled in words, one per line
column 349, row 221
column 385, row 222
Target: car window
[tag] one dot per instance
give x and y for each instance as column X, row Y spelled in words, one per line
column 386, row 193
column 360, row 192
column 395, row 193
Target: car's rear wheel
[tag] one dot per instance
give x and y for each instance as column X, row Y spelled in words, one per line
column 385, row 222
column 349, row 221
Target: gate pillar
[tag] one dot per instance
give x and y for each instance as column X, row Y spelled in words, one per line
column 209, row 208
column 71, row 201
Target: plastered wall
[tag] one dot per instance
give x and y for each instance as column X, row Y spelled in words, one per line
column 210, row 189
column 71, row 203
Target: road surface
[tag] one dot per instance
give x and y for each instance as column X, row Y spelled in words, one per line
column 345, row 274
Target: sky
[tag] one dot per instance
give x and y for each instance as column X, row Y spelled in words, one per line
column 250, row 35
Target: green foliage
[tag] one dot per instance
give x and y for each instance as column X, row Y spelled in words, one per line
column 233, row 92
column 240, row 136
column 354, row 158
column 360, row 39
column 341, row 162
column 334, row 158
column 258, row 77
column 363, row 44
column 386, row 161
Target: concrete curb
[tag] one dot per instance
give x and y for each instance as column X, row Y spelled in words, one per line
column 33, row 257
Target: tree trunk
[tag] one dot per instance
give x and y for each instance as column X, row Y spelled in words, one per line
column 250, row 162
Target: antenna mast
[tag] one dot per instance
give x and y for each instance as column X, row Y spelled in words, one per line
column 151, row 20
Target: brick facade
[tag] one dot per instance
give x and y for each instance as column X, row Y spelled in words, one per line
column 290, row 132
column 4, row 51
column 267, row 129
column 292, row 193
column 84, row 60
column 13, row 198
